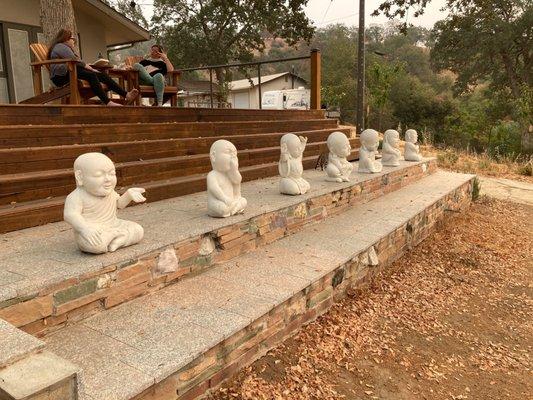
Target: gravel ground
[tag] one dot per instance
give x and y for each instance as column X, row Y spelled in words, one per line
column 450, row 320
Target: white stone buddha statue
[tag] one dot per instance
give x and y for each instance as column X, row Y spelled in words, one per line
column 412, row 150
column 91, row 208
column 338, row 168
column 224, row 181
column 290, row 165
column 390, row 153
column 369, row 139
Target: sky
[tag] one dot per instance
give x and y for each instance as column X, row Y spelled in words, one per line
column 324, row 12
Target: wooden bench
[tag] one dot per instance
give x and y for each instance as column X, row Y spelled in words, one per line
column 171, row 87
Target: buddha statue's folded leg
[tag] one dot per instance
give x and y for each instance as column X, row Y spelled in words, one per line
column 289, row 186
column 217, row 208
column 100, row 247
column 334, row 174
column 304, row 185
column 238, row 206
column 126, row 233
column 346, row 172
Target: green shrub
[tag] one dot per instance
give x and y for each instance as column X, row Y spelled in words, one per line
column 476, row 188
column 505, row 139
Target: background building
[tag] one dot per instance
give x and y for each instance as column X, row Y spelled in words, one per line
column 245, row 95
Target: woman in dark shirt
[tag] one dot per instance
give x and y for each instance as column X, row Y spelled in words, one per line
column 63, row 47
column 152, row 71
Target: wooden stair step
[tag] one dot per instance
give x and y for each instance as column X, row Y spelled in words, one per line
column 27, row 186
column 51, row 135
column 27, row 159
column 40, row 212
column 11, row 114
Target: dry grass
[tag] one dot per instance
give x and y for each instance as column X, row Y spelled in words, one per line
column 482, row 164
column 451, row 320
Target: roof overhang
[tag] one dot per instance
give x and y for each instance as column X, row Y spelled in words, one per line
column 118, row 28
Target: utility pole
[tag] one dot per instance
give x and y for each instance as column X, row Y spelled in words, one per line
column 360, row 111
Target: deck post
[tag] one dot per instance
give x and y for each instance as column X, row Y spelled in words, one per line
column 75, row 97
column 315, row 79
column 211, row 86
column 259, row 84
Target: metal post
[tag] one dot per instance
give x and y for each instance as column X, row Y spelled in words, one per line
column 292, row 76
column 259, row 84
column 211, row 85
column 360, row 118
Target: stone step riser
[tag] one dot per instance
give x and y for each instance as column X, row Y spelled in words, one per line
column 219, row 363
column 69, row 301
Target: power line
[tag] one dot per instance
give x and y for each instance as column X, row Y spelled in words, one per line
column 326, row 12
column 338, row 19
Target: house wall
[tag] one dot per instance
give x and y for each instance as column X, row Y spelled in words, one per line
column 276, row 84
column 20, row 11
column 92, row 36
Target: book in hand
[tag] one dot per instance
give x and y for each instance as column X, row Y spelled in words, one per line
column 150, row 68
column 101, row 62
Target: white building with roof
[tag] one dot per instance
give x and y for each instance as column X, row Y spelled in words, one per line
column 245, row 94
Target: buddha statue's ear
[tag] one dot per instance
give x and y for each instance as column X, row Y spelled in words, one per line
column 212, row 155
column 79, row 177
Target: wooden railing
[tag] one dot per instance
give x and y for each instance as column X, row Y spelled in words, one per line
column 314, row 58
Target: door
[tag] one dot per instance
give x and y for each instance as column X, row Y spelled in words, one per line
column 16, row 39
column 242, row 100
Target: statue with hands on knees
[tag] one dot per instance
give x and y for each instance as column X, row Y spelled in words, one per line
column 224, row 181
column 338, row 168
column 390, row 153
column 412, row 150
column 91, row 209
column 367, row 153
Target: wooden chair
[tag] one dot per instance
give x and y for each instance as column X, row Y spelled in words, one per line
column 171, row 88
column 77, row 91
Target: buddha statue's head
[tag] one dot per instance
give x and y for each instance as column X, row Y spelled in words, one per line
column 223, row 155
column 392, row 137
column 369, row 139
column 339, row 144
column 411, row 136
column 292, row 144
column 95, row 173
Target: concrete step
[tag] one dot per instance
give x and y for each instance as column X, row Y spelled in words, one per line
column 15, row 344
column 55, row 284
column 188, row 337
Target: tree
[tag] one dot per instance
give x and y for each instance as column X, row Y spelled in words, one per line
column 56, row 15
column 201, row 32
column 486, row 39
column 380, row 78
column 130, row 10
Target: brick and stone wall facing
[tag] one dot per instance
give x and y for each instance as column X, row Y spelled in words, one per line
column 241, row 349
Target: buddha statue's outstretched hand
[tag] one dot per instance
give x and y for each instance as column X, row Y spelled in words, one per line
column 132, row 194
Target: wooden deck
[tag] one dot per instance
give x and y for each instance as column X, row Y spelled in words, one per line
column 164, row 150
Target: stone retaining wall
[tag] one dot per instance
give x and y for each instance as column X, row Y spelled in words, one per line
column 77, row 298
column 241, row 349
